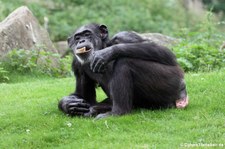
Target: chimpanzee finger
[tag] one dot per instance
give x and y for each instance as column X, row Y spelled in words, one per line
column 76, row 100
column 79, row 109
column 83, row 105
column 96, row 62
column 97, row 68
column 93, row 62
column 101, row 68
column 73, row 113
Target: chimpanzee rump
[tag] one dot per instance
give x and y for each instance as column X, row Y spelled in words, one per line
column 138, row 75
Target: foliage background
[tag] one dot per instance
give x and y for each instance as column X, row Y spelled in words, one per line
column 163, row 16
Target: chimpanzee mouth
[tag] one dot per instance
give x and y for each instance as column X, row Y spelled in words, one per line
column 83, row 50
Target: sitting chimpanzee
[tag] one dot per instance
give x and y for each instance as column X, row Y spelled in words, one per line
column 138, row 75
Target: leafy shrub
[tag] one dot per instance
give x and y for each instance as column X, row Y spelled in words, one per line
column 3, row 74
column 40, row 61
column 53, row 65
column 199, row 57
column 199, row 51
column 22, row 60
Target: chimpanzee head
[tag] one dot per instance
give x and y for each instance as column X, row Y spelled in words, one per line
column 87, row 39
column 125, row 37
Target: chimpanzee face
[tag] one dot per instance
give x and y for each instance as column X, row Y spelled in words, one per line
column 88, row 39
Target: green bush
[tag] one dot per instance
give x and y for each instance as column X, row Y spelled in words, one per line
column 3, row 74
column 199, row 51
column 52, row 65
column 22, row 60
column 199, row 57
column 38, row 61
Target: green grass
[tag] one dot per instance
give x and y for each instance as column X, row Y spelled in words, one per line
column 29, row 118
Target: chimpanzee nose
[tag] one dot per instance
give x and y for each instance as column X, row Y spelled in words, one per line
column 82, row 41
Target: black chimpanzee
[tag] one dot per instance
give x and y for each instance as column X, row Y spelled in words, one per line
column 138, row 75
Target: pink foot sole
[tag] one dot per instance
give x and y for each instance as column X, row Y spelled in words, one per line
column 182, row 103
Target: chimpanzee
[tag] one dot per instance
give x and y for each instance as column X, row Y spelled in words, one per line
column 138, row 75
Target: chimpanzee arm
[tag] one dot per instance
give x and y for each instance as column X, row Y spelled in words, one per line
column 144, row 51
column 85, row 87
column 83, row 101
column 79, row 102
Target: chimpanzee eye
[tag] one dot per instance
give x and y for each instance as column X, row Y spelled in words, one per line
column 76, row 38
column 87, row 34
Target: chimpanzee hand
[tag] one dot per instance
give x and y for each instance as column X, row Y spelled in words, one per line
column 74, row 106
column 99, row 60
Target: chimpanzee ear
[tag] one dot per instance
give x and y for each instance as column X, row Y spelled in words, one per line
column 70, row 41
column 104, row 32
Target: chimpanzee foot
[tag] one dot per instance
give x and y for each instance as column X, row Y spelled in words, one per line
column 103, row 115
column 92, row 112
column 182, row 103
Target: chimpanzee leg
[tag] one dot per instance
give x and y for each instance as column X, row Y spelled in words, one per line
column 121, row 91
column 182, row 102
column 101, row 107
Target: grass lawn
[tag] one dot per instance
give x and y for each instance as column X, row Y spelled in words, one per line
column 29, row 118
